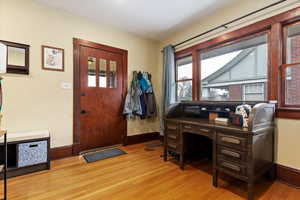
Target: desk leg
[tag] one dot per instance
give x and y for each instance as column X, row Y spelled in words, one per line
column 215, row 177
column 250, row 191
column 272, row 173
column 182, row 152
column 165, row 147
column 165, row 154
column 215, row 170
column 181, row 162
column 5, row 167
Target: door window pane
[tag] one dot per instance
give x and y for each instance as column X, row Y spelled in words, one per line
column 102, row 73
column 113, row 74
column 292, row 85
column 226, row 70
column 91, row 72
column 293, row 44
column 184, row 91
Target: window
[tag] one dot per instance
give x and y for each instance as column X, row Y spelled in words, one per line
column 184, row 76
column 236, row 72
column 113, row 74
column 102, row 73
column 254, row 92
column 293, row 44
column 291, row 69
column 107, row 73
column 236, row 65
column 92, row 72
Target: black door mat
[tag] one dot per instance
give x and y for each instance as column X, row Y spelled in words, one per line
column 101, row 155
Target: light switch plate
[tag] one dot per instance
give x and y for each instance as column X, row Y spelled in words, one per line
column 66, row 85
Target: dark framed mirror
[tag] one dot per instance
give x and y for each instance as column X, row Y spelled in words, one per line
column 17, row 57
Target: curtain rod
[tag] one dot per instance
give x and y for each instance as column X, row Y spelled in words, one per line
column 226, row 24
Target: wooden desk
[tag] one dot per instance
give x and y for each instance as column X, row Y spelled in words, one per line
column 244, row 153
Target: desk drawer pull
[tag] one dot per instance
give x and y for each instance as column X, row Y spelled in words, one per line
column 173, row 128
column 172, row 146
column 231, row 166
column 204, row 130
column 198, row 128
column 231, row 140
column 174, row 137
column 231, row 153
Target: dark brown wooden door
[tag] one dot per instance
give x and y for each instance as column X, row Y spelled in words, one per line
column 101, row 89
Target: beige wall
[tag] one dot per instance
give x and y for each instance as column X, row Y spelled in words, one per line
column 287, row 134
column 227, row 14
column 37, row 101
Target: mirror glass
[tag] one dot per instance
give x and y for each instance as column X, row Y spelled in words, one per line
column 15, row 56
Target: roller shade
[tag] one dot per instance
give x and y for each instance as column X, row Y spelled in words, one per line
column 242, row 45
column 294, row 30
column 184, row 61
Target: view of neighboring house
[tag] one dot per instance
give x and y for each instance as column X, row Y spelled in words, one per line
column 243, row 78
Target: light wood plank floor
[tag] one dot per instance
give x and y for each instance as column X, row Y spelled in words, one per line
column 139, row 175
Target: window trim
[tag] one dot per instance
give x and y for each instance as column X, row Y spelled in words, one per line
column 283, row 105
column 196, row 79
column 276, row 56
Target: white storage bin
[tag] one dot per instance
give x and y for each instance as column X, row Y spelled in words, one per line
column 32, row 153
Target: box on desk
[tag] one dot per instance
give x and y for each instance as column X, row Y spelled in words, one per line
column 221, row 120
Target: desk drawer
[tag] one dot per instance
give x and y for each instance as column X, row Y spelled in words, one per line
column 171, row 126
column 232, row 167
column 172, row 146
column 172, row 136
column 232, row 141
column 230, row 154
column 198, row 129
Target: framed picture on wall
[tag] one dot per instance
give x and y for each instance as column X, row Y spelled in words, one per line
column 52, row 58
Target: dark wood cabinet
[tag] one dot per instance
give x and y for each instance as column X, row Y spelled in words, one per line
column 26, row 156
column 243, row 153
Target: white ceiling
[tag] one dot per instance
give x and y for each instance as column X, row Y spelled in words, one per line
column 153, row 19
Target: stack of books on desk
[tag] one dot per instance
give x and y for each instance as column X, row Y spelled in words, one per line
column 221, row 120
